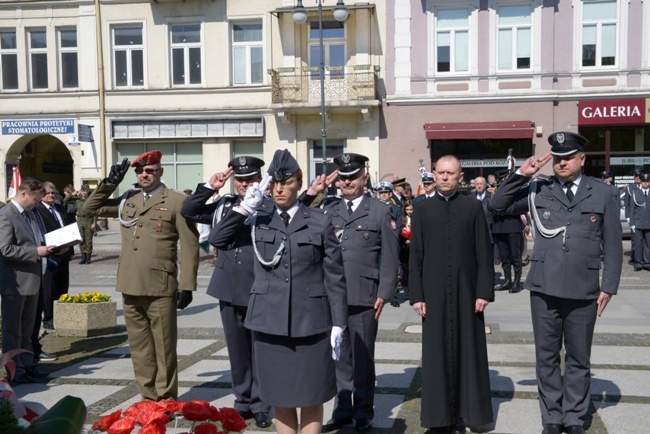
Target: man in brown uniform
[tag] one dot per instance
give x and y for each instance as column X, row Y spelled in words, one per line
column 152, row 225
column 85, row 221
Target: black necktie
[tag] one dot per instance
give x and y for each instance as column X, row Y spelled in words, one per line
column 350, row 207
column 569, row 191
column 53, row 211
column 285, row 218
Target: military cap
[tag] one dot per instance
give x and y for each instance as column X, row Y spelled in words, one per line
column 427, row 178
column 246, row 166
column 85, row 187
column 501, row 174
column 399, row 182
column 566, row 143
column 606, row 174
column 645, row 177
column 283, row 166
column 147, row 158
column 637, row 172
column 383, row 187
column 349, row 163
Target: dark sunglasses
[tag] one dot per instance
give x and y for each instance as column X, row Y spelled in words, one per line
column 148, row 171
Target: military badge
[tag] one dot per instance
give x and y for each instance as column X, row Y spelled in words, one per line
column 560, row 138
column 159, row 208
column 593, row 219
column 546, row 215
column 366, row 236
column 130, row 205
column 345, row 158
column 393, row 225
column 159, row 226
column 242, row 161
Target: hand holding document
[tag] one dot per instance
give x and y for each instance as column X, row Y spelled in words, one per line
column 66, row 236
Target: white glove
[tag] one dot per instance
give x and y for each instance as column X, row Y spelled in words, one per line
column 335, row 339
column 255, row 195
column 633, row 228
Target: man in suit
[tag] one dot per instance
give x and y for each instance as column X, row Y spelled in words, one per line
column 232, row 279
column 640, row 223
column 365, row 229
column 576, row 219
column 429, row 185
column 152, row 227
column 22, row 269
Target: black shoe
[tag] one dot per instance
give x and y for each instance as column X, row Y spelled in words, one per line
column 394, row 302
column 45, row 357
column 636, row 268
column 516, row 287
column 334, row 424
column 363, row 425
column 552, row 428
column 245, row 414
column 439, row 430
column 83, row 258
column 22, row 378
column 262, row 420
column 88, row 258
column 35, row 373
column 48, row 325
column 504, row 286
column 574, row 429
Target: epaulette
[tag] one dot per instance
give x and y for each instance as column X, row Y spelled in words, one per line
column 132, row 192
column 543, row 178
column 229, row 197
column 330, row 200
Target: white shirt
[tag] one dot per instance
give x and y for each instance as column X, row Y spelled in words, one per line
column 355, row 202
column 291, row 211
column 53, row 210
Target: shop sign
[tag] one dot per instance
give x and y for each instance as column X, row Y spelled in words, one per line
column 614, row 112
column 629, row 161
column 38, row 126
column 474, row 164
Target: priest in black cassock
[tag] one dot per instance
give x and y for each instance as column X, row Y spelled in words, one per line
column 451, row 284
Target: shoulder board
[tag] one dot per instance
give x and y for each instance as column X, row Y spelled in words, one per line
column 543, row 178
column 131, row 193
column 330, row 201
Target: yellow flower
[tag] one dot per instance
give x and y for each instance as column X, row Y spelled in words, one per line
column 86, row 297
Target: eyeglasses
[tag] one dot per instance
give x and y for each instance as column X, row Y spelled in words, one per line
column 147, row 171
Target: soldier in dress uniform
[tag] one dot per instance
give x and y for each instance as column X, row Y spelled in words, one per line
column 607, row 176
column 232, row 279
column 366, row 230
column 152, row 289
column 627, row 199
column 575, row 218
column 398, row 191
column 385, row 191
column 640, row 223
column 85, row 221
column 429, row 185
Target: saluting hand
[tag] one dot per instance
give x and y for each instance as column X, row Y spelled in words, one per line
column 219, row 179
column 321, row 182
column 533, row 165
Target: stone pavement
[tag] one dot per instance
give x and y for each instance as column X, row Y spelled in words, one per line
column 99, row 370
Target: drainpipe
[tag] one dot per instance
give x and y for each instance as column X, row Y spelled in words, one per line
column 101, row 90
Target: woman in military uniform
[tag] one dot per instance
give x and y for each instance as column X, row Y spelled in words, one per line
column 298, row 305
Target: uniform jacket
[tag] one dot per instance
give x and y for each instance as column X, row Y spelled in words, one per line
column 304, row 294
column 148, row 262
column 627, row 199
column 52, row 224
column 639, row 210
column 78, row 202
column 370, row 249
column 569, row 269
column 232, row 277
column 20, row 265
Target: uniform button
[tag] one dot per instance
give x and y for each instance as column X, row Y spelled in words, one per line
column 238, row 262
column 566, row 250
column 137, row 236
column 285, row 252
column 570, row 209
column 568, row 236
column 343, row 249
column 140, row 225
column 135, row 248
column 568, row 223
column 286, row 280
column 284, row 238
column 345, row 237
column 286, row 266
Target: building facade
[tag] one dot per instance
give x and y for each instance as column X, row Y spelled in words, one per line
column 85, row 84
column 477, row 77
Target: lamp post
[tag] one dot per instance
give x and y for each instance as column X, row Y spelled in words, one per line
column 300, row 17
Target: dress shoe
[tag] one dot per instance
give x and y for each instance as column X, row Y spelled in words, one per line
column 439, row 430
column 245, row 414
column 35, row 373
column 504, row 286
column 574, row 429
column 48, row 325
column 552, row 428
column 363, row 425
column 45, row 357
column 22, row 378
column 262, row 420
column 83, row 258
column 394, row 302
column 333, row 424
column 516, row 287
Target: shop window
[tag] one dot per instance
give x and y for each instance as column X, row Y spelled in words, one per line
column 247, row 53
column 8, row 59
column 599, row 33
column 68, row 58
column 128, row 56
column 186, row 54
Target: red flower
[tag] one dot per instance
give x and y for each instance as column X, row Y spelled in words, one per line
column 196, row 411
column 136, row 408
column 206, row 428
column 156, row 427
column 105, row 422
column 231, row 419
column 122, row 426
column 172, row 406
column 215, row 414
column 145, row 418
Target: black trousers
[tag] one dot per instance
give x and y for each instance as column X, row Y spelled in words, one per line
column 510, row 253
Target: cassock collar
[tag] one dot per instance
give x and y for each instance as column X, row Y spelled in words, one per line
column 446, row 198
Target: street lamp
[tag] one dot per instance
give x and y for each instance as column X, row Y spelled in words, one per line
column 300, row 17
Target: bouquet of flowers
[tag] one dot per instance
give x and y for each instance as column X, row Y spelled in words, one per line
column 153, row 417
column 86, row 297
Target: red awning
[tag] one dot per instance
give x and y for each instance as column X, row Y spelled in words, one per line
column 480, row 130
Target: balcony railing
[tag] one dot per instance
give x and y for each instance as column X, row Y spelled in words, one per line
column 295, row 85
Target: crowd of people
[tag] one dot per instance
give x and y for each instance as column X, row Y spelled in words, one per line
column 302, row 278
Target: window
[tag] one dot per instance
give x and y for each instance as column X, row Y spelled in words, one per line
column 37, row 40
column 186, row 54
column 8, row 60
column 452, row 40
column 252, row 148
column 333, row 148
column 333, row 45
column 514, row 28
column 68, row 64
column 247, row 60
column 183, row 163
column 128, row 56
column 599, row 33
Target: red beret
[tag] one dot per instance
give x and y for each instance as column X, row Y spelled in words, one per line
column 151, row 157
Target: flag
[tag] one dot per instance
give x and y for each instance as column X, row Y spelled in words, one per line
column 16, row 179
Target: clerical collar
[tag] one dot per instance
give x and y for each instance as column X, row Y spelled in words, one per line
column 446, row 198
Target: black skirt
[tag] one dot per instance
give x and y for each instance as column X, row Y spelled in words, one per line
column 294, row 372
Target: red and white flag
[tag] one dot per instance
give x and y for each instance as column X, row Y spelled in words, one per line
column 16, row 179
